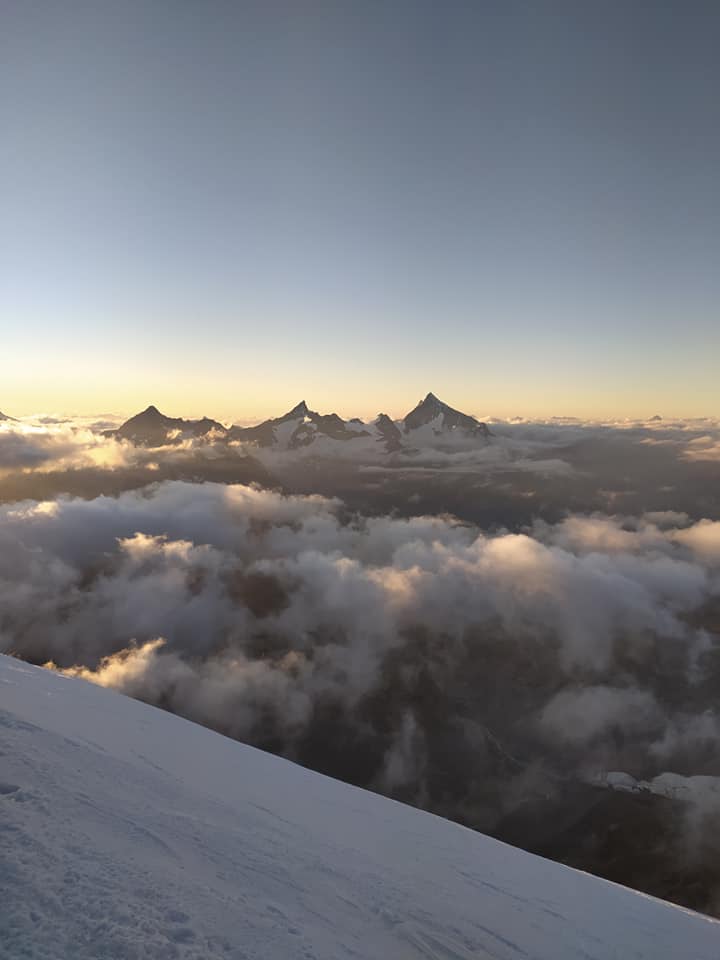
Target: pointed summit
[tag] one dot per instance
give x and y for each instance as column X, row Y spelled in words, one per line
column 433, row 409
column 287, row 433
column 264, row 433
column 389, row 432
column 300, row 410
column 427, row 410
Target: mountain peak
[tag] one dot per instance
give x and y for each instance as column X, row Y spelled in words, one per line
column 432, row 407
column 389, row 432
column 299, row 410
column 152, row 428
column 151, row 411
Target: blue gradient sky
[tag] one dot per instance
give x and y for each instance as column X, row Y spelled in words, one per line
column 224, row 207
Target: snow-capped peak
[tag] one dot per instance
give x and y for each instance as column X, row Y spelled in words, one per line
column 299, row 411
column 443, row 418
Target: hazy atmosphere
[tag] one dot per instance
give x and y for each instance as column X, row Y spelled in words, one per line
column 359, row 392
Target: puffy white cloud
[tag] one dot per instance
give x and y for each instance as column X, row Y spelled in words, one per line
column 706, row 447
column 59, row 446
column 579, row 715
column 703, row 539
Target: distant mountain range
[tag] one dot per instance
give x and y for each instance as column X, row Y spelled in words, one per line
column 430, row 423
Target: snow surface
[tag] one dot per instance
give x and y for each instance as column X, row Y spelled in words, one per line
column 284, row 431
column 357, row 426
column 126, row 832
column 674, row 786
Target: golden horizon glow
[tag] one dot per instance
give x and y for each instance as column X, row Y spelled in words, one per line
column 255, row 406
column 244, row 382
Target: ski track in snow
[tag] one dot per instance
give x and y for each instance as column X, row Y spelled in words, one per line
column 129, row 834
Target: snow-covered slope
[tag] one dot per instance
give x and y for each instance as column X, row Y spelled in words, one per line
column 432, row 418
column 301, row 428
column 126, row 832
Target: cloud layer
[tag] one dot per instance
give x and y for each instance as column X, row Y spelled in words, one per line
column 255, row 613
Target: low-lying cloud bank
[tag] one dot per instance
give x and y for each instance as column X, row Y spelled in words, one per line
column 57, row 445
column 693, row 439
column 49, row 456
column 47, row 444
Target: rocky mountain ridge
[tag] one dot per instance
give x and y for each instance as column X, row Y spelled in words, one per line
column 431, row 422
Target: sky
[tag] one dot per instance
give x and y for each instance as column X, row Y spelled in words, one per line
column 225, row 207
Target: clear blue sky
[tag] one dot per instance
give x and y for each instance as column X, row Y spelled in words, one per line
column 224, row 207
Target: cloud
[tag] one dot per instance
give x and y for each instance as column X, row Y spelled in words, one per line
column 47, row 444
column 581, row 715
column 706, row 447
column 703, row 539
column 215, row 568
column 365, row 580
column 58, row 445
